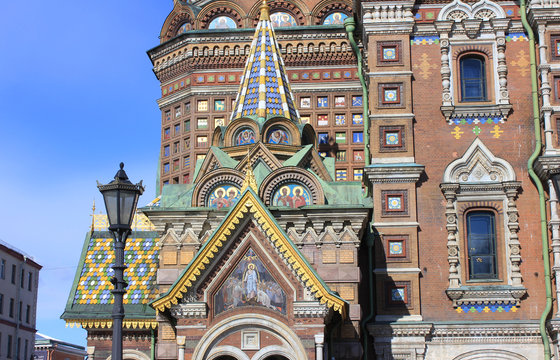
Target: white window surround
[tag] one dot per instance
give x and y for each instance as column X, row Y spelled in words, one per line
column 480, row 176
column 464, row 26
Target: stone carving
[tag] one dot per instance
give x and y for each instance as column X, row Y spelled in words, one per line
column 459, row 11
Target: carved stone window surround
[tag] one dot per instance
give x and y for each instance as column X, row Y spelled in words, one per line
column 479, row 176
column 484, row 21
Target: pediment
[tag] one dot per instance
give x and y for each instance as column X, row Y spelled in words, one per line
column 308, row 158
column 249, row 211
column 215, row 159
column 478, row 165
column 259, row 153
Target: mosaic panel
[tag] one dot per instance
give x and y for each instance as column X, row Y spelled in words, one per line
column 222, row 22
column 323, row 138
column 490, row 308
column 282, row 19
column 424, row 40
column 244, row 137
column 396, row 247
column 305, row 102
column 94, row 284
column 291, row 195
column 219, row 105
column 358, row 137
column 322, row 101
column 184, row 28
column 391, row 95
column 357, row 100
column 223, row 196
column 358, row 174
column 340, row 119
column 250, row 284
column 341, row 175
column 322, row 120
column 392, row 138
column 278, row 136
column 339, row 101
column 389, row 53
column 357, row 119
column 336, row 18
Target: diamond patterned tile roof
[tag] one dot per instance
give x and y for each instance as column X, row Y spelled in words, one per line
column 265, row 92
column 94, row 284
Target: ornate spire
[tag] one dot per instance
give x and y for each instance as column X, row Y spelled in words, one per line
column 249, row 181
column 265, row 91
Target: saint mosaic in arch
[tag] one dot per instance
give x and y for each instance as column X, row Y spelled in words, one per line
column 244, row 137
column 250, row 284
column 336, row 18
column 223, row 196
column 222, row 22
column 291, row 195
column 184, row 28
column 278, row 136
column 282, row 19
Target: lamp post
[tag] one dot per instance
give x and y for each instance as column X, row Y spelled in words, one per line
column 121, row 197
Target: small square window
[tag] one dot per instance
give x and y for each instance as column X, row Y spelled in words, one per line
column 166, row 150
column 389, row 53
column 168, row 115
column 340, row 119
column 339, row 101
column 202, row 105
column 358, row 174
column 188, row 107
column 394, row 202
column 219, row 105
column 341, row 175
column 177, row 111
column 358, row 137
column 341, row 155
column 305, row 119
column 555, row 48
column 357, row 119
column 176, row 147
column 322, row 120
column 186, row 162
column 202, row 141
column 167, row 133
column 323, row 138
column 202, row 124
column 322, row 102
column 357, row 100
column 177, row 129
column 305, row 102
column 340, row 138
column 187, row 143
column 187, row 125
column 186, row 179
column 358, row 155
column 219, row 122
column 166, row 168
column 176, row 165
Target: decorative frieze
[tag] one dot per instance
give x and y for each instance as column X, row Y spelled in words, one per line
column 189, row 310
column 310, row 309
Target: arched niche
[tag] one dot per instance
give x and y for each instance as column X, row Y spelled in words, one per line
column 217, row 9
column 235, row 129
column 327, row 7
column 296, row 8
column 209, row 183
column 289, row 128
column 179, row 16
column 291, row 177
column 218, row 136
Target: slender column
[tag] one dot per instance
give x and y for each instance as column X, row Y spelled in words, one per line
column 319, row 342
column 554, row 225
column 546, row 109
column 181, row 340
column 118, row 293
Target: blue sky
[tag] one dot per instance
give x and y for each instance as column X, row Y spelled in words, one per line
column 77, row 96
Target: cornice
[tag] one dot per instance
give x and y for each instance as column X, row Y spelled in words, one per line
column 393, row 173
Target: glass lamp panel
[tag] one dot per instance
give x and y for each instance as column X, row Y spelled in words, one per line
column 110, row 197
column 127, row 205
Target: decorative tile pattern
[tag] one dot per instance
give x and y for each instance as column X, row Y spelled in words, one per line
column 390, row 95
column 391, row 138
column 322, row 120
column 339, row 101
column 396, row 248
column 394, row 202
column 305, row 102
column 490, row 308
column 219, row 105
column 357, row 100
column 340, row 138
column 357, row 137
column 424, row 40
column 340, row 119
column 322, row 101
column 398, row 293
column 516, row 37
column 323, row 138
column 341, row 175
column 389, row 53
column 202, row 105
column 358, row 174
column 94, row 285
column 357, row 119
column 265, row 90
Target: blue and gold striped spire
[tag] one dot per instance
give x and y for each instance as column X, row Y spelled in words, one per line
column 265, row 91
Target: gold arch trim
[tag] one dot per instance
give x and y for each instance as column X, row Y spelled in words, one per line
column 249, row 204
column 108, row 323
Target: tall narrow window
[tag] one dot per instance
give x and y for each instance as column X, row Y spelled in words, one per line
column 3, row 269
column 481, row 242
column 473, row 78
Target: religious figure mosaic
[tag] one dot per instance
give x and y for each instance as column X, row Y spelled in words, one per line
column 336, row 18
column 282, row 19
column 250, row 284
column 278, row 136
column 222, row 22
column 291, row 195
column 244, row 137
column 223, row 196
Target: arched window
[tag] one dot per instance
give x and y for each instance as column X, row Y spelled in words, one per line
column 473, row 78
column 481, row 244
column 222, row 22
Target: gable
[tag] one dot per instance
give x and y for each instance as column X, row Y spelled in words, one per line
column 248, row 207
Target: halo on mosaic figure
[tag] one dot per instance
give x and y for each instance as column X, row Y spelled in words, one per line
column 222, row 22
column 278, row 135
column 335, row 18
column 207, row 184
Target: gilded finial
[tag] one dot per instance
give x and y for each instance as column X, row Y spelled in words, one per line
column 264, row 11
column 249, row 180
column 93, row 217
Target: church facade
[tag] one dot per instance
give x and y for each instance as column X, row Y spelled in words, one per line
column 367, row 180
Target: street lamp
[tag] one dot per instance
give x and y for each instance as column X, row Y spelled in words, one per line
column 121, row 197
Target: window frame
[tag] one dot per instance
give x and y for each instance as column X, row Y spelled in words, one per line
column 483, row 81
column 469, row 277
